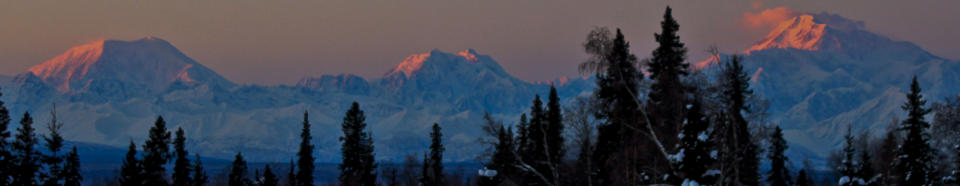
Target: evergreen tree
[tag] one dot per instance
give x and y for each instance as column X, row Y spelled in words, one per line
column 54, row 142
column 504, row 156
column 886, row 155
column 554, row 132
column 131, row 172
column 358, row 166
column 667, row 94
column 305, row 156
column 71, row 169
column 803, row 179
column 156, row 153
column 738, row 150
column 522, row 141
column 850, row 174
column 436, row 154
column 256, row 178
column 292, row 175
column 778, row 174
column 238, row 172
column 695, row 155
column 867, row 172
column 269, row 179
column 952, row 178
column 617, row 85
column 538, row 153
column 200, row 177
column 424, row 173
column 913, row 156
column 6, row 157
column 181, row 166
column 26, row 164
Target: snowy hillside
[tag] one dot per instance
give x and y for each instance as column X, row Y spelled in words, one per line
column 111, row 92
column 822, row 72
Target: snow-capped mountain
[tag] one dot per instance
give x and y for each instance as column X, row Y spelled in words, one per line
column 110, row 92
column 823, row 72
column 149, row 61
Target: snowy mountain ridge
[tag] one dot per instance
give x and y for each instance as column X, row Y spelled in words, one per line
column 95, row 87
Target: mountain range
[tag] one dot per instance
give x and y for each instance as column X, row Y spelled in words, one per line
column 821, row 72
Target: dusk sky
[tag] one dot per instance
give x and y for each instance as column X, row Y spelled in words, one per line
column 279, row 42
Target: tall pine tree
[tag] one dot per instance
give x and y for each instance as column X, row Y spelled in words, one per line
column 358, row 167
column 6, row 157
column 238, row 172
column 913, row 156
column 436, row 154
column 867, row 172
column 292, row 175
column 778, row 175
column 305, row 155
column 131, row 172
column 538, row 153
column 695, row 155
column 739, row 153
column 54, row 142
column 849, row 167
column 26, row 164
column 156, row 153
column 71, row 169
column 617, row 85
column 181, row 166
column 200, row 177
column 667, row 94
column 554, row 134
column 269, row 179
column 803, row 179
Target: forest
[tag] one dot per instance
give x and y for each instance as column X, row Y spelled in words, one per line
column 651, row 121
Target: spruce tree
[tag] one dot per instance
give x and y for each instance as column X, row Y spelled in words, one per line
column 436, row 154
column 667, row 94
column 26, row 164
column 292, row 175
column 238, row 172
column 156, row 153
column 803, row 179
column 131, row 172
column 200, row 177
column 181, row 166
column 913, row 156
column 695, row 155
column 71, row 169
column 358, row 166
column 738, row 149
column 849, row 167
column 503, row 157
column 867, row 172
column 554, row 132
column 522, row 132
column 269, row 179
column 305, row 155
column 538, row 153
column 256, row 178
column 424, row 179
column 778, row 175
column 6, row 157
column 54, row 142
column 617, row 85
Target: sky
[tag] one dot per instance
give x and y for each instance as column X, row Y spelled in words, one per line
column 279, row 42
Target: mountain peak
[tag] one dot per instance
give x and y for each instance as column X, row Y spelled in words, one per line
column 801, row 32
column 151, row 61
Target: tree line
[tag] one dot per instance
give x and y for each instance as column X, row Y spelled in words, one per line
column 650, row 121
column 22, row 162
column 659, row 121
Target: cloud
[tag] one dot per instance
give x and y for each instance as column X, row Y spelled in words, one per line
column 757, row 5
column 837, row 22
column 768, row 18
